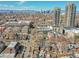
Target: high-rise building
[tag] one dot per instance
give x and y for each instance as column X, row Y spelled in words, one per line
column 56, row 16
column 70, row 15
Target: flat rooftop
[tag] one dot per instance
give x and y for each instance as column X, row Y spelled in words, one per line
column 7, row 55
column 12, row 44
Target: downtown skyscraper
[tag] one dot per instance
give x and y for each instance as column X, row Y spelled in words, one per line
column 70, row 15
column 56, row 16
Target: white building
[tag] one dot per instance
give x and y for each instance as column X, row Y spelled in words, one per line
column 74, row 30
column 44, row 28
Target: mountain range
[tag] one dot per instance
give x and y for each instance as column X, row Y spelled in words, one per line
column 29, row 11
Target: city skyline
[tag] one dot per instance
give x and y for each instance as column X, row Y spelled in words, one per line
column 35, row 5
column 39, row 29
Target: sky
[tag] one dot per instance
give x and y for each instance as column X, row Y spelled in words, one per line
column 35, row 5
